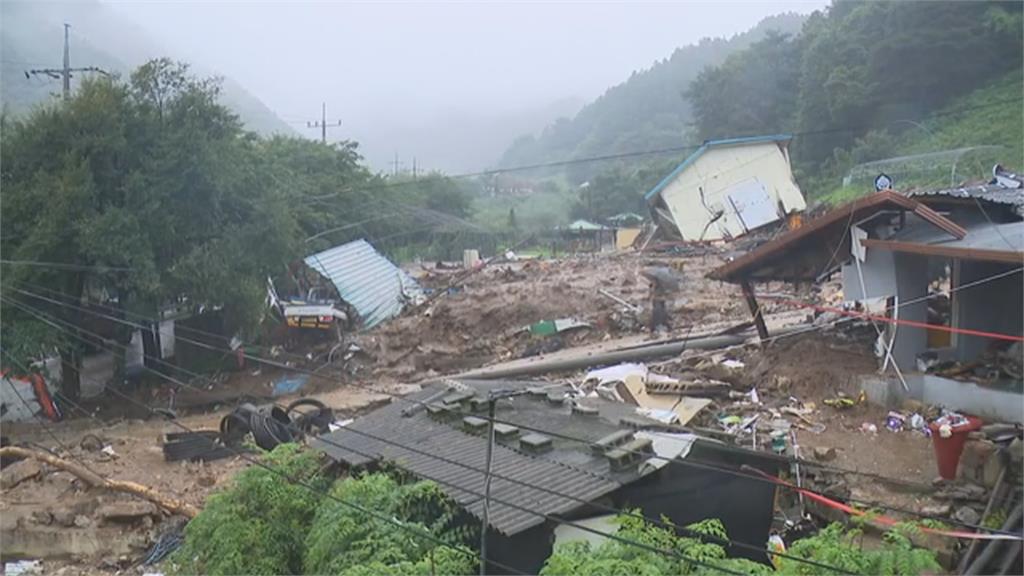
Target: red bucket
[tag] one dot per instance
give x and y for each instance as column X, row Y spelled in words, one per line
column 948, row 450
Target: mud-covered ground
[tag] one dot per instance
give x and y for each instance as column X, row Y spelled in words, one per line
column 482, row 322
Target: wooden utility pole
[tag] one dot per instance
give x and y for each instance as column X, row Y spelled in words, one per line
column 64, row 73
column 322, row 123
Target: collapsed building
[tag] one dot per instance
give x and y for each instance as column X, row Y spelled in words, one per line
column 726, row 189
column 939, row 271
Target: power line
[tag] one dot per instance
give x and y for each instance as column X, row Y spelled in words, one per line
column 322, row 124
column 401, row 398
column 661, row 151
column 739, row 544
column 688, row 462
column 64, row 73
column 65, row 266
column 288, row 478
column 438, row 480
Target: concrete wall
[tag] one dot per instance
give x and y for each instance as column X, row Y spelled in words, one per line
column 911, row 284
column 987, row 403
column 715, row 172
column 995, row 306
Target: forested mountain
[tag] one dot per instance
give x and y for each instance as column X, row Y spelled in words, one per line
column 33, row 38
column 859, row 67
column 646, row 111
column 861, row 81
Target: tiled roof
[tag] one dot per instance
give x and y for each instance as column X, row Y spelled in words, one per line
column 417, row 442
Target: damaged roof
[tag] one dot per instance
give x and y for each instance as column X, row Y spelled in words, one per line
column 371, row 283
column 708, row 145
column 985, row 240
column 416, row 440
column 807, row 252
column 993, row 192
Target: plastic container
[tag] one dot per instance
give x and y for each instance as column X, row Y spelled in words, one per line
column 948, row 450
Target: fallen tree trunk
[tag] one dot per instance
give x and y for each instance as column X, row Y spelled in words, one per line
column 172, row 505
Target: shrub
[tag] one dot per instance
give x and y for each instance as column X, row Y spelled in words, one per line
column 258, row 524
column 833, row 546
column 344, row 540
column 842, row 549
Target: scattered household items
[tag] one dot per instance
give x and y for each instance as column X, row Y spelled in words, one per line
column 549, row 327
column 656, row 396
column 842, row 401
column 366, row 280
column 22, row 568
column 753, row 187
column 289, row 384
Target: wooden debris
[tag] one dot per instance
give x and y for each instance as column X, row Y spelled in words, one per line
column 172, row 505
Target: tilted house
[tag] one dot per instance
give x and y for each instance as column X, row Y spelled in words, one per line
column 727, row 188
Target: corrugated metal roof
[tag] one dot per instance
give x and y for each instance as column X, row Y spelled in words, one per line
column 569, row 468
column 995, row 193
column 374, row 286
column 981, row 235
column 708, row 145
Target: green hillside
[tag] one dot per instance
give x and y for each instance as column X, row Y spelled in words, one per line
column 990, row 118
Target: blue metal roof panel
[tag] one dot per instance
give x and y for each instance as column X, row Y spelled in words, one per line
column 364, row 278
column 707, row 145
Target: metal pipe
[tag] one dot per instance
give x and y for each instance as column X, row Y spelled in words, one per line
column 962, row 565
column 978, row 566
column 1009, row 557
column 632, row 354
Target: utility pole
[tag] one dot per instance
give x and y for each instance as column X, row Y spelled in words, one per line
column 64, row 73
column 492, row 400
column 395, row 164
column 413, row 167
column 67, row 63
column 322, row 123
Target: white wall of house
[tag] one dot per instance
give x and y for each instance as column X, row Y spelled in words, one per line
column 734, row 171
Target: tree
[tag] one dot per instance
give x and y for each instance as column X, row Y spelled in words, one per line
column 148, row 190
column 751, row 93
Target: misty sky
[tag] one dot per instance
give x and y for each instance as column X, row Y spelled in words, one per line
column 395, row 64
